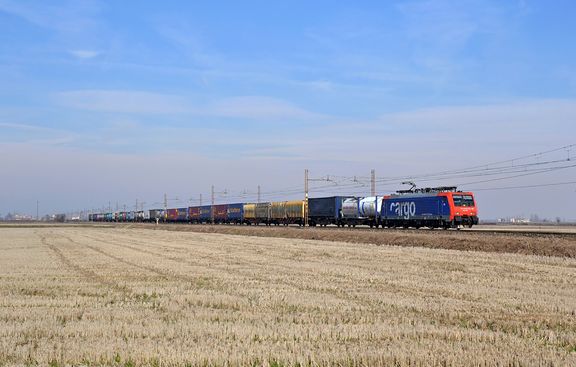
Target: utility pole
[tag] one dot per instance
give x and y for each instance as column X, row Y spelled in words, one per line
column 136, row 207
column 200, row 199
column 258, row 194
column 37, row 215
column 110, row 206
column 212, row 209
column 373, row 182
column 305, row 198
column 165, row 204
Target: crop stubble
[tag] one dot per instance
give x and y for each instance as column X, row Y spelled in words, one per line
column 119, row 296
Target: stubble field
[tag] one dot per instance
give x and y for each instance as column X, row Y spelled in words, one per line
column 134, row 296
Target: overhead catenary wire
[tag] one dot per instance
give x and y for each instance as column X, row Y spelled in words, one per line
column 502, row 170
column 525, row 186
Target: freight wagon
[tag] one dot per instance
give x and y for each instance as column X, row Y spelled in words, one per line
column 194, row 214
column 121, row 217
column 429, row 208
column 172, row 215
column 350, row 214
column 220, row 213
column 324, row 211
column 277, row 212
column 142, row 216
column 130, row 216
column 257, row 213
column 361, row 211
column 235, row 213
column 157, row 214
column 182, row 215
column 205, row 214
column 295, row 212
column 369, row 208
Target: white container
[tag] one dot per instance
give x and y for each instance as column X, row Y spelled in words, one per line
column 370, row 207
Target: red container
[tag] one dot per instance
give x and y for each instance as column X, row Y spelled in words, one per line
column 194, row 213
column 172, row 214
column 220, row 212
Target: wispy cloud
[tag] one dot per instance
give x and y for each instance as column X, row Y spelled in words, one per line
column 256, row 107
column 509, row 119
column 123, row 101
column 26, row 127
column 450, row 23
column 84, row 54
column 140, row 102
column 33, row 135
column 67, row 16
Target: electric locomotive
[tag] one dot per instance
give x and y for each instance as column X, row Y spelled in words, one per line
column 438, row 207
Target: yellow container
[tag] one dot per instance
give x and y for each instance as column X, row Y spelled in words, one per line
column 249, row 211
column 277, row 210
column 295, row 209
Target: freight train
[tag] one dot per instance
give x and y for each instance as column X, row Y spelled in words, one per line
column 440, row 207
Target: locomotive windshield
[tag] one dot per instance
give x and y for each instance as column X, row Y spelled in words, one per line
column 463, row 200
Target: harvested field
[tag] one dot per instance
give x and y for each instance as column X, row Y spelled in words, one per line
column 134, row 296
column 528, row 243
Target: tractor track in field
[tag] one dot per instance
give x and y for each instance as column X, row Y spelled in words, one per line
column 151, row 269
column 339, row 294
column 85, row 273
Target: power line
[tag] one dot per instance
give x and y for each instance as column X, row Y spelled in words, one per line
column 526, row 186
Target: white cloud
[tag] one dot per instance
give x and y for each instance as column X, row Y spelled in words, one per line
column 124, row 101
column 139, row 102
column 84, row 54
column 71, row 16
column 521, row 116
column 18, row 126
column 257, row 107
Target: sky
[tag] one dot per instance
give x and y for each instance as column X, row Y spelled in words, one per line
column 104, row 103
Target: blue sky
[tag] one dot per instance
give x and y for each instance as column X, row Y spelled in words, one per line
column 121, row 100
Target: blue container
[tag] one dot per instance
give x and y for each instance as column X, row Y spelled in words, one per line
column 326, row 210
column 206, row 213
column 416, row 207
column 236, row 213
column 182, row 214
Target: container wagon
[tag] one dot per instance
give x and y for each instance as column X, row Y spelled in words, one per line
column 220, row 213
column 205, row 214
column 130, row 216
column 172, row 215
column 157, row 215
column 277, row 213
column 235, row 213
column 369, row 208
column 182, row 215
column 327, row 210
column 142, row 216
column 121, row 217
column 257, row 213
column 194, row 214
column 295, row 212
column 350, row 214
column 263, row 213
